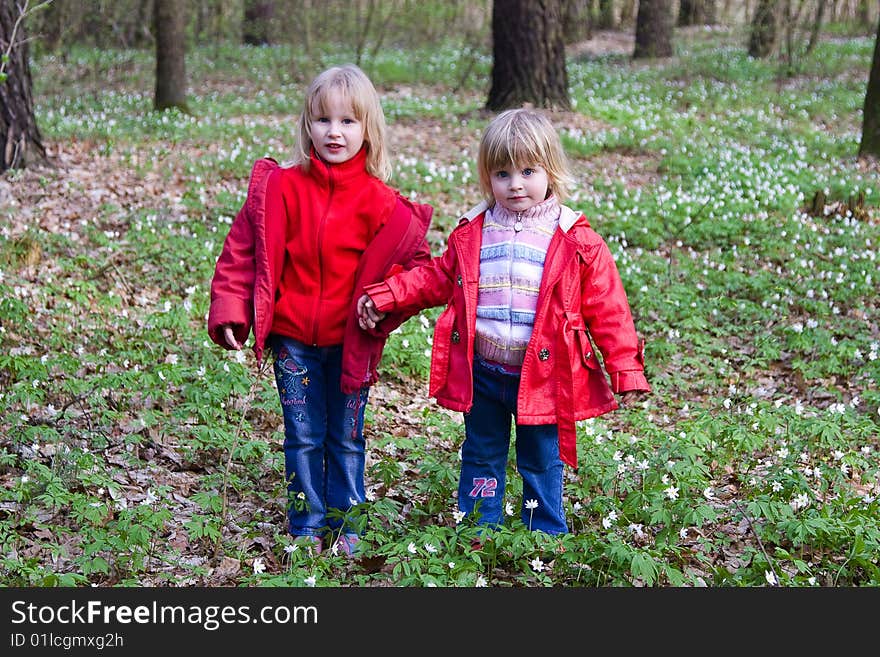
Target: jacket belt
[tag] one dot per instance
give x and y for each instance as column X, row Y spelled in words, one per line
column 565, row 398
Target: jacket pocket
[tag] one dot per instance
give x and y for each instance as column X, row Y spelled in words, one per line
column 443, row 331
column 574, row 322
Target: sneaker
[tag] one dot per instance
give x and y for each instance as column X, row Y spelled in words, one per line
column 346, row 544
column 310, row 542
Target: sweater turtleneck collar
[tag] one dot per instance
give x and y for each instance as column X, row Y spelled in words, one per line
column 545, row 213
column 344, row 174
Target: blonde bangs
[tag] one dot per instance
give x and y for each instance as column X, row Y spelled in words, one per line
column 520, row 138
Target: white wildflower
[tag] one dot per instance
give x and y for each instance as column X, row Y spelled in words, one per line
column 608, row 520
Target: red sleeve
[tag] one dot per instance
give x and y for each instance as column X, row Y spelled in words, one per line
column 607, row 314
column 232, row 288
column 424, row 286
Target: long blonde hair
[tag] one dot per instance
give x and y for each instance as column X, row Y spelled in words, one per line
column 522, row 137
column 356, row 88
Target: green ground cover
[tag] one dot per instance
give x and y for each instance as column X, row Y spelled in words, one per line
column 133, row 452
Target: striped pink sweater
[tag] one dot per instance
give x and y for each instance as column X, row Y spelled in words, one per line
column 511, row 265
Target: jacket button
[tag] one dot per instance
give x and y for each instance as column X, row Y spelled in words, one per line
column 544, row 354
column 458, row 280
column 456, row 338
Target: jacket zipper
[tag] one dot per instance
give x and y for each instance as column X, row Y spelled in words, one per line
column 321, row 227
column 517, row 222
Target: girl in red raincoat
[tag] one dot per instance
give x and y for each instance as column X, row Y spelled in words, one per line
column 531, row 293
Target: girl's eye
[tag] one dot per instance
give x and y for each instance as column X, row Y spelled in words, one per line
column 528, row 172
column 348, row 121
column 501, row 174
column 322, row 119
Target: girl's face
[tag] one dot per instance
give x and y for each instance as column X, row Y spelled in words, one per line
column 336, row 133
column 518, row 189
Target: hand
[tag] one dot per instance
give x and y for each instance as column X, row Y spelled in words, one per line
column 368, row 316
column 629, row 397
column 229, row 336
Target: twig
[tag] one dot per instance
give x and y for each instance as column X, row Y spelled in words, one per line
column 247, row 404
column 760, row 543
column 23, row 11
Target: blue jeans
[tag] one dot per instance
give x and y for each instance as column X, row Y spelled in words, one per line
column 324, row 447
column 484, row 456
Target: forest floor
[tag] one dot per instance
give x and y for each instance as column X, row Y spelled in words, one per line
column 84, row 177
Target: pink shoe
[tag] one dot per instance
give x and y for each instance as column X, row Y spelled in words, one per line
column 311, row 543
column 347, row 544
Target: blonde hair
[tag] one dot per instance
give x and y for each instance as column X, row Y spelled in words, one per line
column 356, row 89
column 523, row 137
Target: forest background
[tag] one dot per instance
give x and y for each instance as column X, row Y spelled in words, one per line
column 726, row 175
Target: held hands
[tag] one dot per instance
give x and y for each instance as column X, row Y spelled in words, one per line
column 368, row 316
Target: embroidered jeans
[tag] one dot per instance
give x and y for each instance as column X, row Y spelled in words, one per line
column 324, row 447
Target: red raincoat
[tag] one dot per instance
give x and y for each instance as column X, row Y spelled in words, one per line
column 581, row 303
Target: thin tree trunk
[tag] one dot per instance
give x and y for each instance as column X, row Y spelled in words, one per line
column 21, row 140
column 817, row 26
column 257, row 18
column 870, row 144
column 762, row 37
column 653, row 29
column 577, row 22
column 606, row 15
column 168, row 22
column 688, row 12
column 627, row 11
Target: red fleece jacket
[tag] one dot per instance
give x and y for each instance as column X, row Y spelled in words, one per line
column 302, row 243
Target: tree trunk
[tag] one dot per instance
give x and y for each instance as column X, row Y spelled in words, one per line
column 257, row 18
column 21, row 141
column 653, row 29
column 863, row 13
column 577, row 21
column 54, row 24
column 142, row 36
column 762, row 37
column 870, row 144
column 168, row 24
column 627, row 11
column 528, row 55
column 710, row 12
column 697, row 12
column 817, row 27
column 688, row 12
column 606, row 15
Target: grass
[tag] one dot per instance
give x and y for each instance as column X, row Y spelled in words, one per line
column 133, row 452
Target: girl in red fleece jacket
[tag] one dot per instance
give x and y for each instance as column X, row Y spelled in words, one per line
column 307, row 237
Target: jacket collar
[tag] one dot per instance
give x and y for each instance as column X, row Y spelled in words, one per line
column 567, row 218
column 345, row 174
